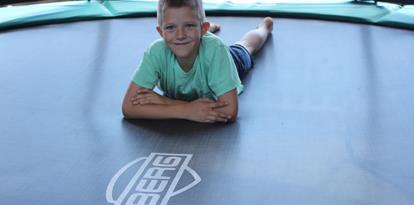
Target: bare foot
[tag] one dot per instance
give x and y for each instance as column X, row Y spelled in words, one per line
column 214, row 27
column 267, row 24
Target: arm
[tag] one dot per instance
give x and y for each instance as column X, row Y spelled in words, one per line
column 140, row 103
column 141, row 108
column 231, row 98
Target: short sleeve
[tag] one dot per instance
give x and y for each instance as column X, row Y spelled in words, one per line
column 147, row 75
column 222, row 74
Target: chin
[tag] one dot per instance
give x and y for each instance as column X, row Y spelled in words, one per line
column 182, row 54
column 182, row 51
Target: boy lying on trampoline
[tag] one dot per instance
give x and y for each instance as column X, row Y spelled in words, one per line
column 198, row 74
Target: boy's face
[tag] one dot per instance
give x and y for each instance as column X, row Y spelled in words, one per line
column 182, row 32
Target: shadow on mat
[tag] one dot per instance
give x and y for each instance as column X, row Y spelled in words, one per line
column 178, row 127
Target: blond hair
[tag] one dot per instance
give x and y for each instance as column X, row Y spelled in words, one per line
column 195, row 5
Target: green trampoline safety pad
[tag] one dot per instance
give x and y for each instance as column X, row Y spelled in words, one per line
column 381, row 14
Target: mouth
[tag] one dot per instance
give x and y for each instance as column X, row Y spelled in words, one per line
column 181, row 43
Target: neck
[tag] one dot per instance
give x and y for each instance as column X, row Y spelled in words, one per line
column 186, row 63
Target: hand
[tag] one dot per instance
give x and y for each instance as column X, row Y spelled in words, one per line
column 203, row 110
column 145, row 96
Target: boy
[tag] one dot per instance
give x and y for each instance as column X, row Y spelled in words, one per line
column 192, row 66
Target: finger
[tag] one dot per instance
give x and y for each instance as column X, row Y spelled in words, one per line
column 141, row 96
column 217, row 117
column 218, row 105
column 137, row 95
column 136, row 98
column 133, row 98
column 134, row 102
column 140, row 101
column 142, row 91
column 223, row 115
column 209, row 121
column 151, row 99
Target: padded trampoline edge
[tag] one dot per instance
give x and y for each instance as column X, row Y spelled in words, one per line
column 385, row 14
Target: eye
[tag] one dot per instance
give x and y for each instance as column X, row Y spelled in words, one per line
column 190, row 26
column 169, row 28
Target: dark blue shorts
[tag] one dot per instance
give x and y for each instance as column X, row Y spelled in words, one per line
column 242, row 59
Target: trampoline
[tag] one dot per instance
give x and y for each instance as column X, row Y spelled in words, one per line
column 326, row 117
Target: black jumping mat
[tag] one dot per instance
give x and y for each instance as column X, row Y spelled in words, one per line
column 326, row 117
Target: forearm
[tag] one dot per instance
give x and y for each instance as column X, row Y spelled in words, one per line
column 142, row 103
column 231, row 110
column 171, row 101
column 201, row 110
column 155, row 111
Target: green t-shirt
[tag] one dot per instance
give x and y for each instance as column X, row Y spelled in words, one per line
column 213, row 74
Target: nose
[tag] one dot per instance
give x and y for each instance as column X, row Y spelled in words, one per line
column 181, row 34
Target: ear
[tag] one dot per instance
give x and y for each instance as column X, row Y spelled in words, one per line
column 159, row 31
column 204, row 27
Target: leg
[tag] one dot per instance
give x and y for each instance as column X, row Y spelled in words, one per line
column 213, row 27
column 254, row 39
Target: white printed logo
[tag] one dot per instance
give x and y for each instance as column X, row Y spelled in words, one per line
column 155, row 180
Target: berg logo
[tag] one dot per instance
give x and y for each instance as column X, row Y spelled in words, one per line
column 155, row 180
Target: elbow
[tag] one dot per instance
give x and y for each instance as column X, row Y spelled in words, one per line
column 233, row 118
column 131, row 112
column 126, row 111
column 232, row 112
column 233, row 115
